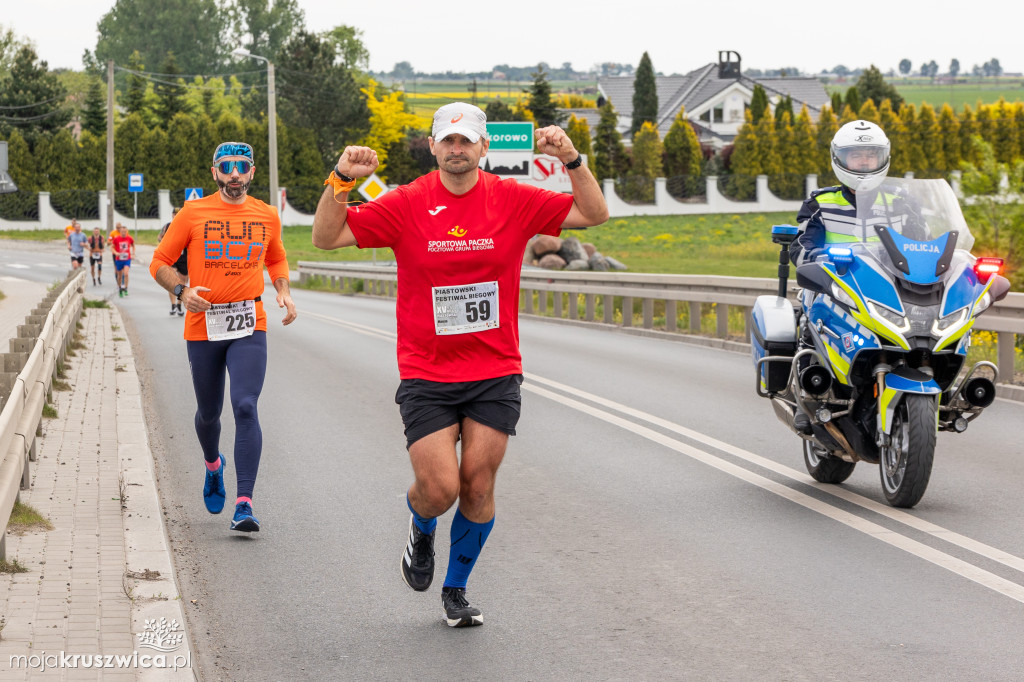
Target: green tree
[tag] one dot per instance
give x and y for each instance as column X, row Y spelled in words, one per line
column 899, row 155
column 388, row 122
column 986, row 123
column 868, row 111
column 130, row 154
column 10, row 44
column 848, row 116
column 646, row 165
column 683, row 158
column 949, row 136
column 317, row 94
column 192, row 29
column 928, row 137
column 645, row 95
column 1006, row 144
column 758, row 103
column 784, row 107
column 610, row 159
column 910, row 140
column 826, row 130
column 263, row 27
column 803, row 156
column 578, row 131
column 871, row 85
column 968, row 129
column 170, row 90
column 991, row 187
column 837, row 102
column 541, row 104
column 135, row 92
column 348, row 44
column 497, row 110
column 31, row 96
column 745, row 161
column 94, row 113
column 89, row 167
column 853, row 99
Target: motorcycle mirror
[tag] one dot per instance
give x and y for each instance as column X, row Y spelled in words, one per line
column 1000, row 287
column 812, row 277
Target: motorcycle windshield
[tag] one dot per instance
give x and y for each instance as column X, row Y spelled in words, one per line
column 924, row 224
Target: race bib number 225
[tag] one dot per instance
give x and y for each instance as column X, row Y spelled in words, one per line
column 231, row 320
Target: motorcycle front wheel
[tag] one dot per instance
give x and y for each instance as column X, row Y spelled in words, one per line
column 906, row 463
column 823, row 467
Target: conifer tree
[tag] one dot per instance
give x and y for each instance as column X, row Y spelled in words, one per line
column 1006, row 135
column 889, row 122
column 837, row 102
column 868, row 112
column 805, row 151
column 769, row 150
column 910, row 140
column 758, row 103
column 170, row 90
column 744, row 164
column 827, row 128
column 985, row 123
column 853, row 99
column 578, row 131
column 785, row 106
column 135, row 95
column 789, row 182
column 848, row 115
column 949, row 134
column 928, row 137
column 646, row 166
column 645, row 95
column 94, row 112
column 683, row 158
column 968, row 129
column 610, row 160
column 541, row 105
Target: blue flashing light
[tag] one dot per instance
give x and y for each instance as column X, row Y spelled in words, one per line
column 840, row 254
column 785, row 229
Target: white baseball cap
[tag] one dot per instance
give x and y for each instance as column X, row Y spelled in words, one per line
column 459, row 118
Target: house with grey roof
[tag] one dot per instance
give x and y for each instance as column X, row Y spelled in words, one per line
column 715, row 96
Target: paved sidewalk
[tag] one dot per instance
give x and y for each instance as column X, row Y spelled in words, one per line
column 102, row 581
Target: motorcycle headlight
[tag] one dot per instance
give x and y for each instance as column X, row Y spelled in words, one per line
column 984, row 304
column 895, row 319
column 944, row 323
column 840, row 295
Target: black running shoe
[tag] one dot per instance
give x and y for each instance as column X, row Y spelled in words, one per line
column 418, row 559
column 457, row 611
column 173, row 309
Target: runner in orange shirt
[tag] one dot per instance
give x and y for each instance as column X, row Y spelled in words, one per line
column 230, row 237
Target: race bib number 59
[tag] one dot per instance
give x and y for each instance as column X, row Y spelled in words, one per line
column 465, row 308
column 231, row 320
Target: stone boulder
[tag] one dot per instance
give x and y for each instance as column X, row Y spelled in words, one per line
column 598, row 263
column 616, row 265
column 578, row 264
column 551, row 261
column 572, row 250
column 545, row 244
column 589, row 248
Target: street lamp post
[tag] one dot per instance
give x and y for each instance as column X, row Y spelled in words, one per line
column 275, row 197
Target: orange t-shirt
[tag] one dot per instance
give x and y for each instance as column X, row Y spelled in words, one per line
column 228, row 245
column 68, row 230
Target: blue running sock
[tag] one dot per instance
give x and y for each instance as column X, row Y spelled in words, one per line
column 424, row 524
column 468, row 540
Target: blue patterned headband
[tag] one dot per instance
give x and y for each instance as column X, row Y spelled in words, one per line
column 232, row 149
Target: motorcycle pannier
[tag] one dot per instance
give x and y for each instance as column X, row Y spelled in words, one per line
column 773, row 332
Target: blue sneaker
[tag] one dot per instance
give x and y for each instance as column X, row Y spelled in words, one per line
column 244, row 520
column 213, row 489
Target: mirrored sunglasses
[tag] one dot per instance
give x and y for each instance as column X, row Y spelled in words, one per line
column 242, row 165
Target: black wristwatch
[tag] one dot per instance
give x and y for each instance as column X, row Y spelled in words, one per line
column 179, row 289
column 572, row 165
column 342, row 176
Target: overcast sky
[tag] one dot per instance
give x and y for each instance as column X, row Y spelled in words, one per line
column 471, row 36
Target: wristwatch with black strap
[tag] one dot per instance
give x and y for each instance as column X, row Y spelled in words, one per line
column 572, row 165
column 179, row 289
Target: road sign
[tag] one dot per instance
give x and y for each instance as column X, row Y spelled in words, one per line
column 373, row 187
column 511, row 135
column 192, row 193
column 135, row 182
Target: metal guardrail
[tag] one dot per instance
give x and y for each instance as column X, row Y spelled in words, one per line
column 575, row 295
column 26, row 378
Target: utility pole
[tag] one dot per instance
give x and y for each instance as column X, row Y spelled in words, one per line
column 275, row 193
column 110, row 146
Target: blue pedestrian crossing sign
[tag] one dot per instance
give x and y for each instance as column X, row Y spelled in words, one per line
column 193, row 193
column 135, row 182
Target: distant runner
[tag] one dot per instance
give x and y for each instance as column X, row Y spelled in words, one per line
column 96, row 247
column 123, row 248
column 76, row 245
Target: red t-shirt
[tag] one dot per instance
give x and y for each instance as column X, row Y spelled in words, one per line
column 449, row 241
column 122, row 246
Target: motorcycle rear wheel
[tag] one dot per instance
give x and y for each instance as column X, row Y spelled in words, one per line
column 906, row 463
column 823, row 467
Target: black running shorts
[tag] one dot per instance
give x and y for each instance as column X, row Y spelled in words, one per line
column 429, row 406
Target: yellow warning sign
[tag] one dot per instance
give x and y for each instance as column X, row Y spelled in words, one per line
column 373, row 187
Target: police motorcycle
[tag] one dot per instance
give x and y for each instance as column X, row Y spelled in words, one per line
column 875, row 354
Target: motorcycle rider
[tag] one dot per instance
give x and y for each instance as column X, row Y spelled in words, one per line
column 860, row 160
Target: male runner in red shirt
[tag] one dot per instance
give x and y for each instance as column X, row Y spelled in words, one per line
column 458, row 235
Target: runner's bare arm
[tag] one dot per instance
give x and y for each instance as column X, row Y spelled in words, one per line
column 588, row 204
column 284, row 299
column 330, row 230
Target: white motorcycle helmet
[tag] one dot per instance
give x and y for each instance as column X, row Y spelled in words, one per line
column 860, row 155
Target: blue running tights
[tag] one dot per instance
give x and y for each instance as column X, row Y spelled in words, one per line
column 246, row 360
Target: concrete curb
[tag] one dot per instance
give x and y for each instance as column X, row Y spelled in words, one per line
column 147, row 548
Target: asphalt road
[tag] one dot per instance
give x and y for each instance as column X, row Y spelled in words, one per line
column 654, row 522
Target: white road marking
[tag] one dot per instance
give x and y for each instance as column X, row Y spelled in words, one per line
column 958, row 566
column 18, row 266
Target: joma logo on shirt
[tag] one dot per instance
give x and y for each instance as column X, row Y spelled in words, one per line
column 221, row 241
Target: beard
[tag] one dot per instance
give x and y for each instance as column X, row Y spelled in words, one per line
column 233, row 191
column 456, row 168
